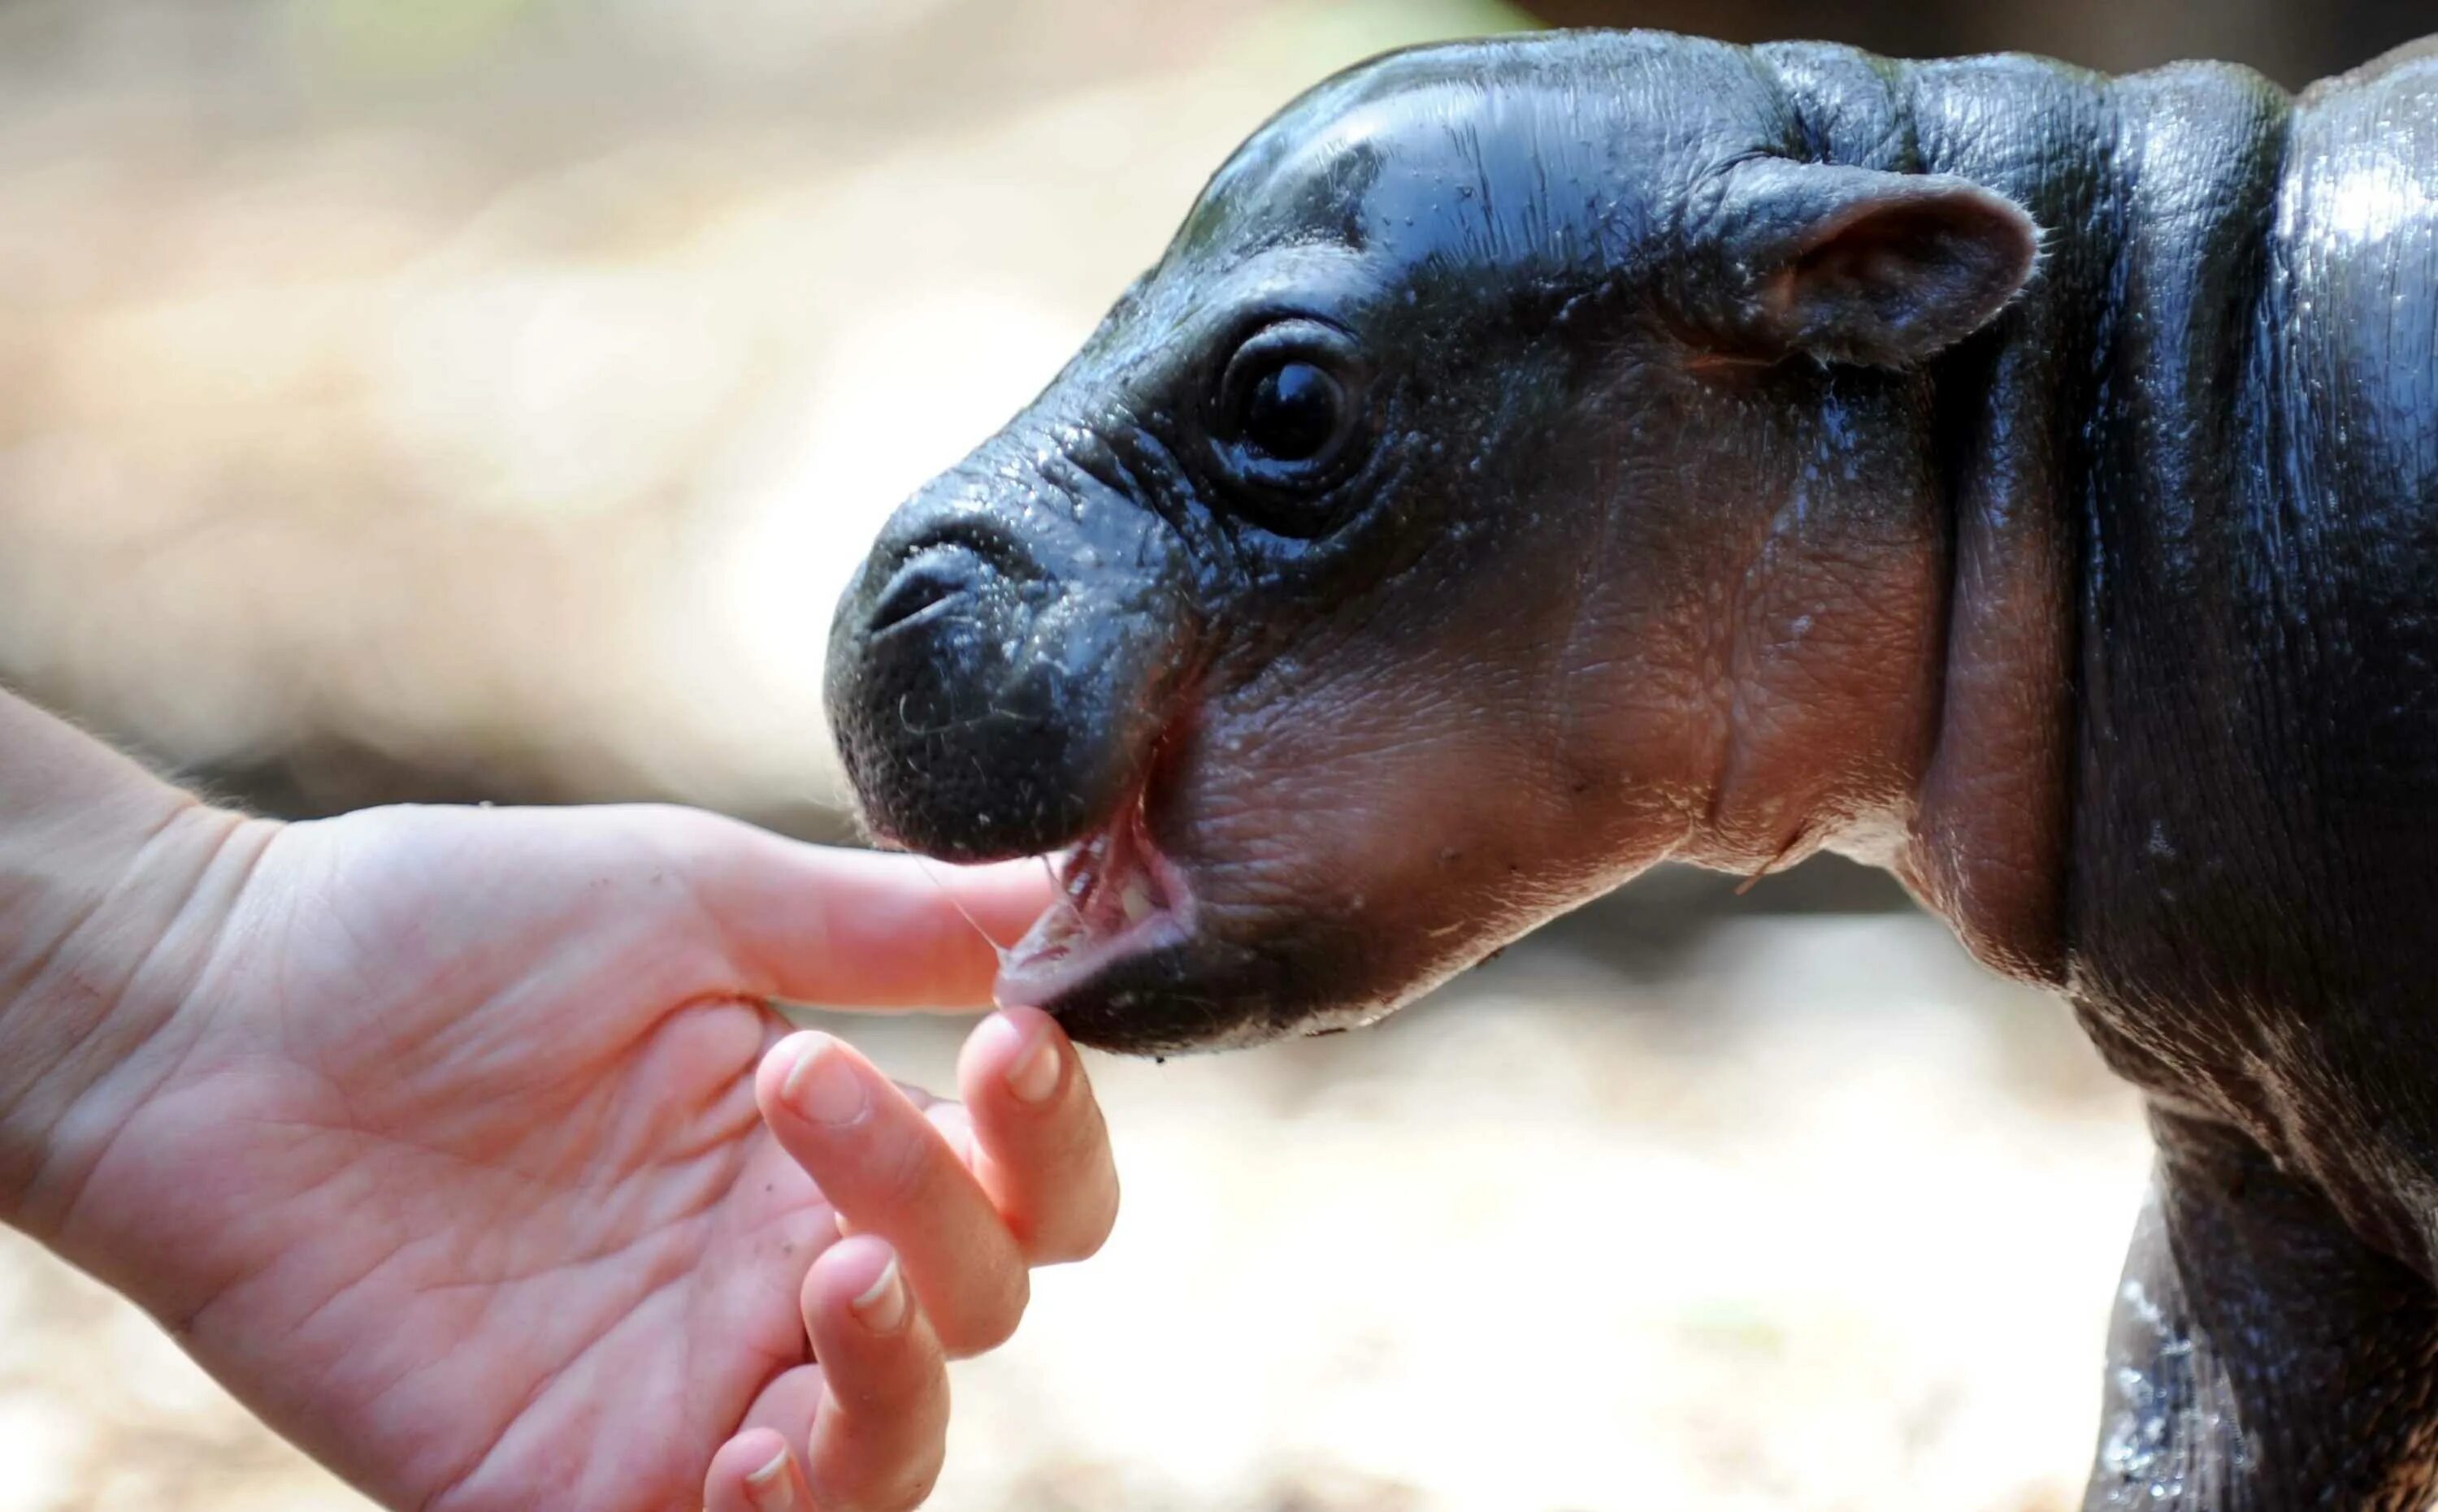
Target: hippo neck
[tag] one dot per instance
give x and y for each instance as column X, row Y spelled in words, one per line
column 2033, row 434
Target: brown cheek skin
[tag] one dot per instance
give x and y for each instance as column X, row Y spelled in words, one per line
column 1396, row 817
column 1836, row 698
column 1796, row 653
column 1733, row 659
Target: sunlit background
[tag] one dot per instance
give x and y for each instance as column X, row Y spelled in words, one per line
column 485, row 399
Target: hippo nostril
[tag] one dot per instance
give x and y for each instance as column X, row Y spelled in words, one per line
column 932, row 577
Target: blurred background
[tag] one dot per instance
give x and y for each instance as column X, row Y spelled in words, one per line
column 485, row 399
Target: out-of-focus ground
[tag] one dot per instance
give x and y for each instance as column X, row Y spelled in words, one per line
column 486, row 399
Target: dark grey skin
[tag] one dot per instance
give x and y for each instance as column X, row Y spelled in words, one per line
column 1538, row 458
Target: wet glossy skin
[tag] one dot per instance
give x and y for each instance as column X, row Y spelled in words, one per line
column 1535, row 459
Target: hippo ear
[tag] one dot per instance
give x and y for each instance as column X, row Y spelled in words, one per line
column 1855, row 265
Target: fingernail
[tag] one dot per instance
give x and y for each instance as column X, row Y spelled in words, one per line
column 823, row 1084
column 882, row 1306
column 1035, row 1074
column 772, row 1489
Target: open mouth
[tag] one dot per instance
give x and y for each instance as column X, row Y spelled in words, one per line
column 1118, row 898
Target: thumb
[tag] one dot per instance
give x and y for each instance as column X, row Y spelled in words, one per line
column 860, row 928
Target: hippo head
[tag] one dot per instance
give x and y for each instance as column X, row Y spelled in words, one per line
column 1512, row 476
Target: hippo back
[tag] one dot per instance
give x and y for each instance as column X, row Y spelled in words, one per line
column 2256, row 784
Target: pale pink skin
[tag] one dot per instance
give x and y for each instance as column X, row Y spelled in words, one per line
column 457, row 1144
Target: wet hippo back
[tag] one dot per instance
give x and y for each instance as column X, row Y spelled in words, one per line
column 2256, row 792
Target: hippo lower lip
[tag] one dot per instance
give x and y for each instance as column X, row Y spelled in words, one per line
column 1120, row 898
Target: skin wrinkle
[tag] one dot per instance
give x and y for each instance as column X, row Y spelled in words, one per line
column 49, row 958
column 36, row 1197
column 762, row 985
column 544, row 1181
column 1738, row 676
column 197, row 1321
column 656, row 1229
column 1571, row 643
column 667, row 1233
column 602, row 1154
column 446, row 1495
column 141, row 870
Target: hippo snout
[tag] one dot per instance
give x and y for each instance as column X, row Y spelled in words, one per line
column 984, row 702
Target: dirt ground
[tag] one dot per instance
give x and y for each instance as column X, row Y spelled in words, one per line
column 491, row 404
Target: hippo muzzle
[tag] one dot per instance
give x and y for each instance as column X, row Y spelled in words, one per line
column 1005, row 670
column 994, row 688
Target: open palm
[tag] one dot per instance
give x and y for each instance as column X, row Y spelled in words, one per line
column 449, row 1161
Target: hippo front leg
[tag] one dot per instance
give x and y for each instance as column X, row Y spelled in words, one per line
column 2262, row 1359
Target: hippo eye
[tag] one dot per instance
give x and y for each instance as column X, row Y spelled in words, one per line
column 1289, row 410
column 1293, row 412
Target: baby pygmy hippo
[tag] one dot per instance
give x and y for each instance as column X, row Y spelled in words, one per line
column 1537, row 458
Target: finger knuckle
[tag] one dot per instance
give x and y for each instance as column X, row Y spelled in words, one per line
column 914, row 1474
column 991, row 1317
column 924, row 1477
column 899, row 1489
column 1095, row 1232
column 908, row 1490
column 1081, row 1233
column 901, row 1173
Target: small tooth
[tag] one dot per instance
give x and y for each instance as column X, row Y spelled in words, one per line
column 1137, row 901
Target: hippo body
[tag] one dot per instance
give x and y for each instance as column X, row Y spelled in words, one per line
column 1538, row 458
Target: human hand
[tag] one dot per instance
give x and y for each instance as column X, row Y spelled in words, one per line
column 445, row 1148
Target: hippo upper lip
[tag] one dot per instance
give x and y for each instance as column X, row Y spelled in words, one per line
column 1119, row 897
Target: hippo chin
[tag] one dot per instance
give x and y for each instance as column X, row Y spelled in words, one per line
column 1538, row 458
